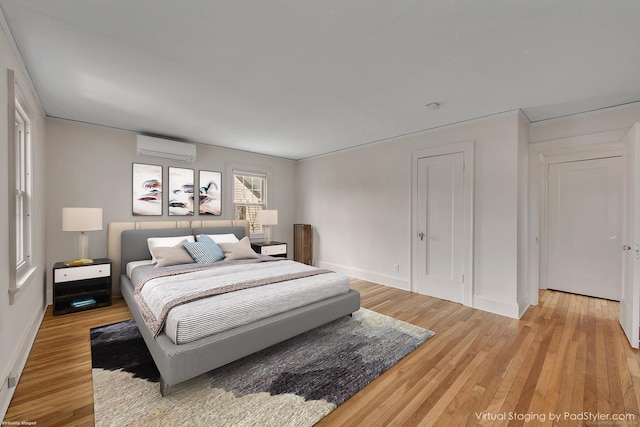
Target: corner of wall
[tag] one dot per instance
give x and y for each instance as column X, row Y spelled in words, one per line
column 523, row 306
column 523, row 286
column 512, row 310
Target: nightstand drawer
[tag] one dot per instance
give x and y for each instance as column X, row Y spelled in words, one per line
column 274, row 250
column 81, row 273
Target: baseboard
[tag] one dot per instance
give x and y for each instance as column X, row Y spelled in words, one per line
column 368, row 275
column 497, row 307
column 20, row 361
column 523, row 306
column 512, row 310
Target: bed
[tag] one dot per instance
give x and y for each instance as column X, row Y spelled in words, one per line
column 178, row 362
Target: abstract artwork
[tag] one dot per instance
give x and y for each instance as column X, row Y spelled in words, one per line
column 147, row 189
column 181, row 191
column 210, row 184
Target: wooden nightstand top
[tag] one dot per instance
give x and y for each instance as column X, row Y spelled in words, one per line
column 271, row 243
column 96, row 261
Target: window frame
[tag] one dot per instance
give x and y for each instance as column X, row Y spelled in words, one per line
column 19, row 274
column 255, row 230
column 23, row 189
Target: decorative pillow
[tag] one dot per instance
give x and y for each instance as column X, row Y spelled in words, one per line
column 238, row 250
column 172, row 255
column 153, row 242
column 221, row 238
column 205, row 251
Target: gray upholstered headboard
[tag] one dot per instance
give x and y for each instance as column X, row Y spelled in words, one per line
column 138, row 246
column 134, row 242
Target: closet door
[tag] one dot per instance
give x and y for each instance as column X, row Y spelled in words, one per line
column 585, row 227
column 440, row 220
column 630, row 298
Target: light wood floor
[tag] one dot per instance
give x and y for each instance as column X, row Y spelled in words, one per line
column 566, row 356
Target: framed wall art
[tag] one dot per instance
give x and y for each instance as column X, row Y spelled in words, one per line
column 181, row 191
column 210, row 184
column 147, row 189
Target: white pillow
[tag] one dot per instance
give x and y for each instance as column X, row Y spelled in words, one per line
column 153, row 242
column 223, row 238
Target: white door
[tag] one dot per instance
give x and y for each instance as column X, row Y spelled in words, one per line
column 584, row 227
column 630, row 298
column 440, row 221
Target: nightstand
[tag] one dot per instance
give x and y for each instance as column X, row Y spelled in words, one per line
column 277, row 249
column 77, row 288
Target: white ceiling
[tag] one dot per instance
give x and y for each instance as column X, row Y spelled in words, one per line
column 300, row 78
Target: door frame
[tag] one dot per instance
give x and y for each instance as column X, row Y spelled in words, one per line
column 559, row 161
column 541, row 155
column 467, row 148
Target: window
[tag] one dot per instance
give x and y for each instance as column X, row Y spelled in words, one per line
column 249, row 196
column 23, row 188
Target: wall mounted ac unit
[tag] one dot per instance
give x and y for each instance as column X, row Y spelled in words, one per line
column 165, row 148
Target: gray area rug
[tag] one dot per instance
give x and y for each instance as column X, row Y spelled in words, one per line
column 295, row 383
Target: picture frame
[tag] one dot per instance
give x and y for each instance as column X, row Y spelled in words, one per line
column 210, row 190
column 181, row 191
column 146, row 189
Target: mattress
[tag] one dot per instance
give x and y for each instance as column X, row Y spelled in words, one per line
column 134, row 264
column 201, row 318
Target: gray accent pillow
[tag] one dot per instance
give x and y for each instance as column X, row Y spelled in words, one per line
column 239, row 250
column 206, row 251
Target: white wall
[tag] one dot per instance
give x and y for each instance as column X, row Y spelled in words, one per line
column 91, row 166
column 359, row 203
column 524, row 287
column 585, row 135
column 19, row 322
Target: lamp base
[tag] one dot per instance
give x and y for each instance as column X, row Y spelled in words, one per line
column 267, row 233
column 79, row 261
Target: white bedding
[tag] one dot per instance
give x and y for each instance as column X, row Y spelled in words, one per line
column 200, row 318
column 134, row 264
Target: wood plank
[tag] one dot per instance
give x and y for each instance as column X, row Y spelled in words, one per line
column 566, row 354
column 603, row 396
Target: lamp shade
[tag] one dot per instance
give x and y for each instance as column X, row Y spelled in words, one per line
column 81, row 219
column 267, row 217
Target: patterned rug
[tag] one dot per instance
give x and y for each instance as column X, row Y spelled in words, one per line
column 295, row 383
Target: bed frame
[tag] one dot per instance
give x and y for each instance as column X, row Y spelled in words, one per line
column 178, row 363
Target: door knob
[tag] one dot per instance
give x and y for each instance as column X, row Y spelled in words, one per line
column 421, row 235
column 626, row 247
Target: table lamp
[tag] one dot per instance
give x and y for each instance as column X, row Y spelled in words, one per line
column 267, row 218
column 82, row 220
